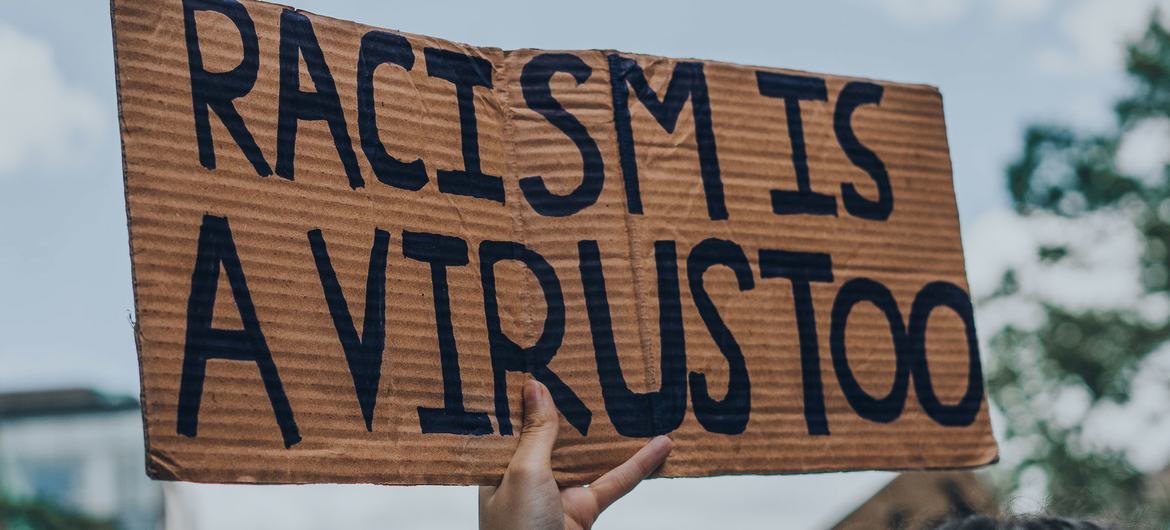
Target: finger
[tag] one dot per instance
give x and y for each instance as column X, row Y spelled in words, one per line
column 539, row 432
column 620, row 480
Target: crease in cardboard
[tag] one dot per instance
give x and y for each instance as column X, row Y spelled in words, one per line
column 649, row 376
column 512, row 176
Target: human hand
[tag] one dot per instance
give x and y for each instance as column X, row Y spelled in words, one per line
column 529, row 497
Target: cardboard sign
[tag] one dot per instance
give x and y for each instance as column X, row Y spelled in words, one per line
column 351, row 246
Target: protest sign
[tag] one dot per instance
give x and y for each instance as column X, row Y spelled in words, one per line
column 351, row 246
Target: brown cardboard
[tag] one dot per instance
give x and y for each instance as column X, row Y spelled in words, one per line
column 236, row 438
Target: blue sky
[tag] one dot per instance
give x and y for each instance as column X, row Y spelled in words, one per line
column 66, row 293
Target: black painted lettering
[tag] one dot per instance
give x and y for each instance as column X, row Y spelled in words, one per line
column 534, row 82
column 888, row 408
column 687, row 82
column 793, row 89
column 934, row 295
column 855, row 94
column 378, row 48
column 362, row 354
column 204, row 343
column 465, row 72
column 298, row 39
column 442, row 252
column 729, row 415
column 215, row 91
column 507, row 355
column 802, row 268
column 638, row 414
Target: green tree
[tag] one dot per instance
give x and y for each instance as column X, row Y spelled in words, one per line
column 40, row 515
column 1095, row 352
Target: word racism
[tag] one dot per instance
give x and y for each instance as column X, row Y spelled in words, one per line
column 312, row 87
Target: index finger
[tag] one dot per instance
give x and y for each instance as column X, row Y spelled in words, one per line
column 620, row 480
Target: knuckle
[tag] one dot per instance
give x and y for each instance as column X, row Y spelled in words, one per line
column 627, row 483
column 643, row 468
column 532, row 428
column 522, row 471
column 537, row 423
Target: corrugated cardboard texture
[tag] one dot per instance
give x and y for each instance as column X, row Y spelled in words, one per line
column 180, row 201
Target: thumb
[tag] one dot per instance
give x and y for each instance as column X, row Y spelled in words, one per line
column 539, row 432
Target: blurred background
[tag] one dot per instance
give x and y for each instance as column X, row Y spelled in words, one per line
column 1058, row 116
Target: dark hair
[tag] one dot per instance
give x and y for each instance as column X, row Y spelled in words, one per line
column 983, row 522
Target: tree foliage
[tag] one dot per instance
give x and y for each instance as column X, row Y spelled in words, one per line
column 41, row 515
column 1094, row 352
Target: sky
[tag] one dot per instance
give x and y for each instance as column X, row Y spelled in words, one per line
column 66, row 316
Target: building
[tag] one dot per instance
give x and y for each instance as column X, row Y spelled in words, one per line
column 81, row 450
column 919, row 500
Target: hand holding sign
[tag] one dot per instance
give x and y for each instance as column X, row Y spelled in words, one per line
column 529, row 497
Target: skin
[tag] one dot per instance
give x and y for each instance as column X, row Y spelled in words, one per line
column 528, row 497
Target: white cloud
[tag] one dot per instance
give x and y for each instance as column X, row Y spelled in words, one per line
column 923, row 12
column 1141, row 426
column 1095, row 33
column 1101, row 269
column 42, row 118
column 1145, row 150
